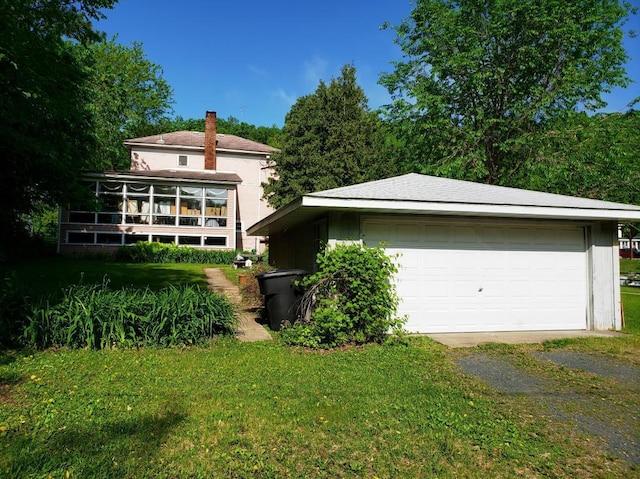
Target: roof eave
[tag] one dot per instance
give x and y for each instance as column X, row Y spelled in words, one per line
column 318, row 204
column 138, row 177
column 166, row 146
column 474, row 209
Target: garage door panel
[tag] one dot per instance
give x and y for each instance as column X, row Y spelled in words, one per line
column 487, row 278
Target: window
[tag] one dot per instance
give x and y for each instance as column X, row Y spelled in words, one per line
column 183, row 160
column 137, row 203
column 135, row 238
column 108, row 238
column 163, row 239
column 215, row 207
column 81, row 217
column 75, row 237
column 189, row 240
column 164, row 204
column 215, row 241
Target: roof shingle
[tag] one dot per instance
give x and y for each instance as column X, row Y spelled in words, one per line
column 195, row 139
column 432, row 189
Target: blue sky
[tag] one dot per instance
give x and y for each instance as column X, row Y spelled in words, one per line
column 252, row 59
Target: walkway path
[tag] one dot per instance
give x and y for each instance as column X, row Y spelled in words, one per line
column 248, row 328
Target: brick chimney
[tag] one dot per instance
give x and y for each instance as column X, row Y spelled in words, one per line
column 210, row 141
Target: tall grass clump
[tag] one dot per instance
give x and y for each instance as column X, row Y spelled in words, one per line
column 96, row 317
column 146, row 252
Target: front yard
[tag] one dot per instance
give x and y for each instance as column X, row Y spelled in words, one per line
column 264, row 410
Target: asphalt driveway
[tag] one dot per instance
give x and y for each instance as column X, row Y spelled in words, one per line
column 614, row 423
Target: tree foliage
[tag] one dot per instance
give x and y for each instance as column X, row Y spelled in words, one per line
column 126, row 89
column 592, row 156
column 481, row 78
column 45, row 125
column 330, row 139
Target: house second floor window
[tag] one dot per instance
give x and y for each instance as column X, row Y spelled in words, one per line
column 183, row 160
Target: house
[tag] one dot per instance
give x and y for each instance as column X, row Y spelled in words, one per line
column 472, row 257
column 200, row 189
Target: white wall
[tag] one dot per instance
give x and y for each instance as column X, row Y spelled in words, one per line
column 604, row 270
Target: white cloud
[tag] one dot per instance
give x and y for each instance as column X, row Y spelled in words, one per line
column 261, row 72
column 289, row 99
column 315, row 70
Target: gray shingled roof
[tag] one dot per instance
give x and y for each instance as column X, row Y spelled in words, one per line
column 195, row 139
column 431, row 189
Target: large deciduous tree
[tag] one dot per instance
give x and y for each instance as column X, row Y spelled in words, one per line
column 126, row 90
column 480, row 78
column 330, row 139
column 595, row 156
column 46, row 129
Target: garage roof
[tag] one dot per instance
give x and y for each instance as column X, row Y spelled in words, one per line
column 429, row 195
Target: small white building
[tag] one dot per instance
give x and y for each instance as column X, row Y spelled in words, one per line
column 200, row 189
column 472, row 257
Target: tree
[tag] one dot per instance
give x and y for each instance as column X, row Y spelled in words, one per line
column 481, row 78
column 126, row 90
column 46, row 129
column 594, row 156
column 330, row 139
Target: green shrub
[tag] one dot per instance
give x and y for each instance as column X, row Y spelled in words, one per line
column 145, row 252
column 96, row 317
column 351, row 299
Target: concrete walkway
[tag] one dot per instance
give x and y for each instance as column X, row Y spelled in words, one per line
column 248, row 328
column 468, row 340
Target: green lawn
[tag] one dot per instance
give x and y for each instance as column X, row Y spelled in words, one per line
column 264, row 410
column 51, row 274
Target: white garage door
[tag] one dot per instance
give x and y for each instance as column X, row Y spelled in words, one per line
column 457, row 277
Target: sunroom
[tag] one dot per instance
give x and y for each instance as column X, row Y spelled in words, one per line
column 195, row 209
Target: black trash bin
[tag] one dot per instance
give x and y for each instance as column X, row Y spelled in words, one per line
column 281, row 295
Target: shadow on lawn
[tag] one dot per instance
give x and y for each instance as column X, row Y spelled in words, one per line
column 112, row 449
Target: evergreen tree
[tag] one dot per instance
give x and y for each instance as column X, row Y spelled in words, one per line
column 330, row 139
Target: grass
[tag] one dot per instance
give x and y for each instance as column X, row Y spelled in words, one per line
column 264, row 410
column 52, row 274
column 628, row 265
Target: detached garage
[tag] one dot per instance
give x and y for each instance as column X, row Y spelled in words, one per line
column 471, row 257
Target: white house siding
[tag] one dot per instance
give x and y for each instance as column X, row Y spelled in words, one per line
column 145, row 158
column 251, row 207
column 604, row 264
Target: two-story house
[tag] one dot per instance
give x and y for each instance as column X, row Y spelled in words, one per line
column 185, row 187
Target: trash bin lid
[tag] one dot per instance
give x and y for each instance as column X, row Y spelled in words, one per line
column 279, row 273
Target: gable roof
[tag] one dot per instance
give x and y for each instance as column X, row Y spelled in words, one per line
column 429, row 195
column 423, row 188
column 195, row 140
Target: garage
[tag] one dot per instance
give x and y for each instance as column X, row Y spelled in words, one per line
column 460, row 277
column 472, row 257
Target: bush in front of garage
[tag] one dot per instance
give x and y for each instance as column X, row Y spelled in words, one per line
column 351, row 299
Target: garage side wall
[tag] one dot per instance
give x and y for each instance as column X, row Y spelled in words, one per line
column 293, row 248
column 604, row 271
